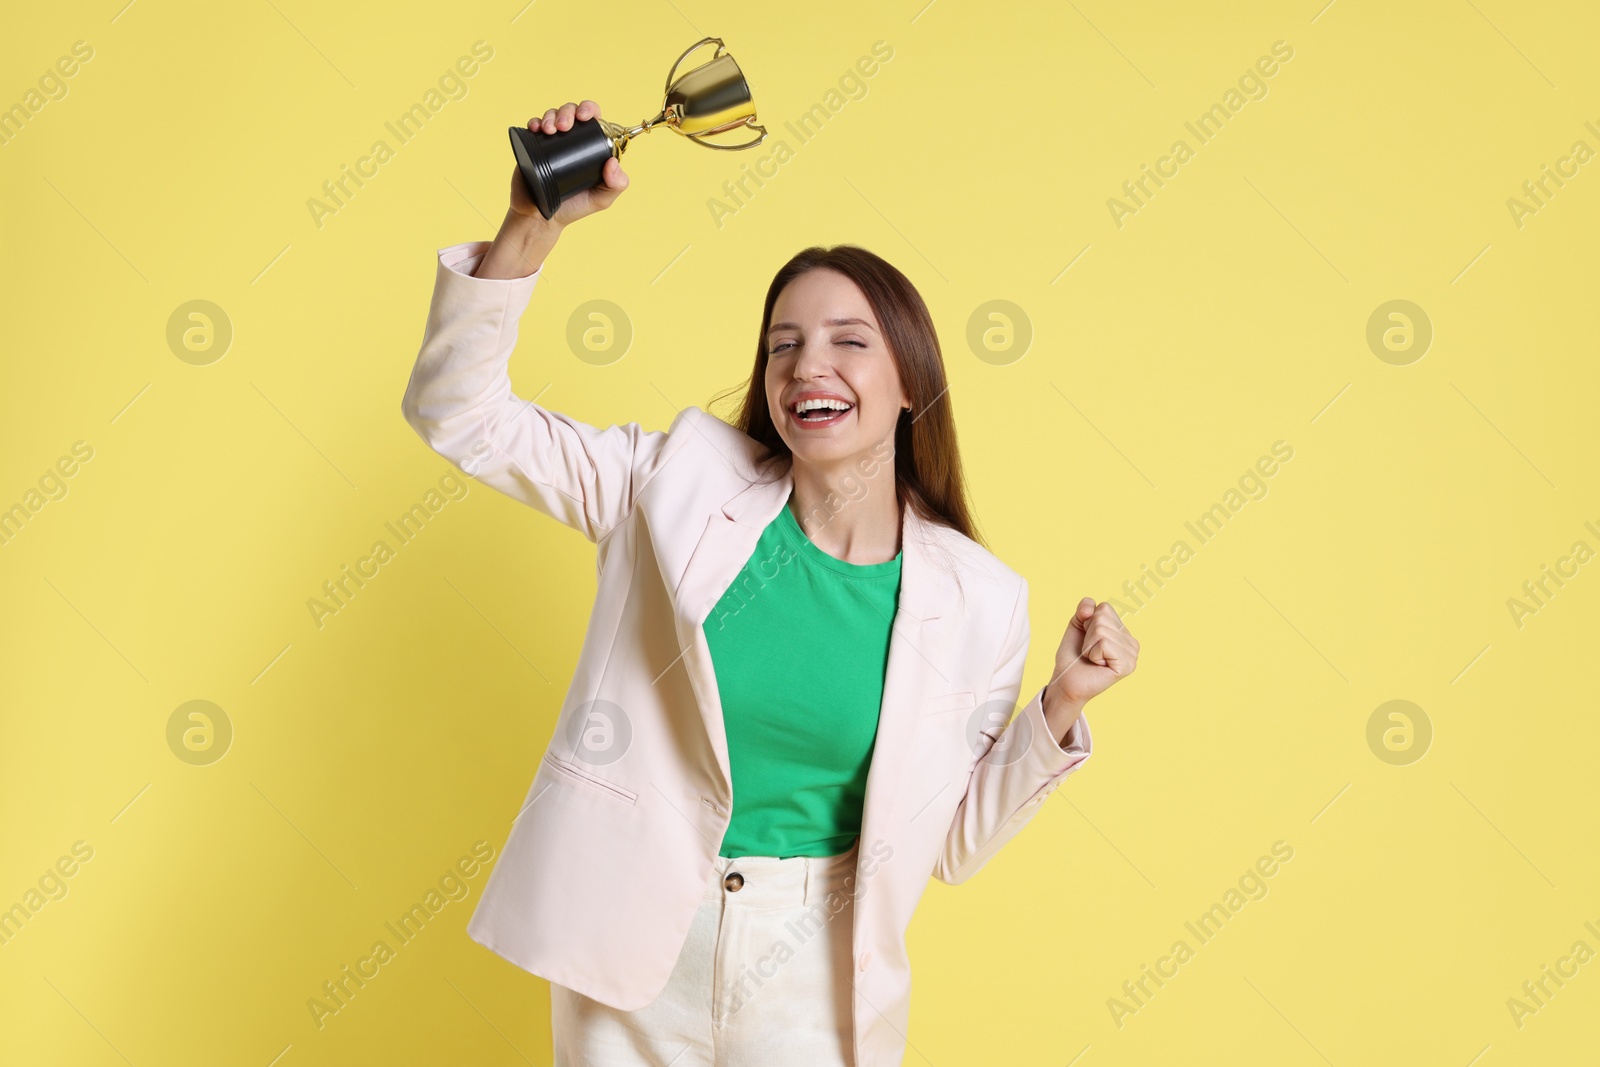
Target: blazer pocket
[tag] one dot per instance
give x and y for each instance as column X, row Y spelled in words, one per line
column 948, row 702
column 571, row 772
column 943, row 749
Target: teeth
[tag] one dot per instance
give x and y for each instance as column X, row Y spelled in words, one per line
column 820, row 402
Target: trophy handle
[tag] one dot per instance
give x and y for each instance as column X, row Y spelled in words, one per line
column 672, row 74
column 696, row 138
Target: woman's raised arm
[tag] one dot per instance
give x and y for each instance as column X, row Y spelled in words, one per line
column 459, row 397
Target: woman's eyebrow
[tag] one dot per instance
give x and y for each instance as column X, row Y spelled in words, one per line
column 826, row 322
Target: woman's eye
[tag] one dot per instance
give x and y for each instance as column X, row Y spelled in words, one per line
column 789, row 344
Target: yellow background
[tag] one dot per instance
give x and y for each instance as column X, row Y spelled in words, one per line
column 1228, row 313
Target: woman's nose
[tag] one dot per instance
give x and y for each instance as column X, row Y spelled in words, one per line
column 811, row 361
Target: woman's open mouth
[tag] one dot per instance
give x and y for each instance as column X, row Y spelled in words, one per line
column 820, row 412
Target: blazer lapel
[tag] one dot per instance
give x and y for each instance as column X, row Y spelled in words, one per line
column 724, row 547
column 923, row 626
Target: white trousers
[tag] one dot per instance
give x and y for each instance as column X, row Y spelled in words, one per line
column 764, row 978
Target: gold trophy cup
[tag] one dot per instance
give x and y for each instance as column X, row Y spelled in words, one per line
column 710, row 99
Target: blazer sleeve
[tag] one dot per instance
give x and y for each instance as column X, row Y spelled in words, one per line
column 1022, row 763
column 459, row 400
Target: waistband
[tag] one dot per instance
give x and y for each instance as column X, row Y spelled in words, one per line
column 767, row 881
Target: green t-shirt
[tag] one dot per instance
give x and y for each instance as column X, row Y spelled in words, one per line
column 799, row 642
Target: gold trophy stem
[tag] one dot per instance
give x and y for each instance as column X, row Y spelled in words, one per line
column 620, row 135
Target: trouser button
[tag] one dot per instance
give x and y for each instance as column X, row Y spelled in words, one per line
column 734, row 882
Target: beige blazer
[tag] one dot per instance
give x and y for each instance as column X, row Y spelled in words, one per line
column 606, row 858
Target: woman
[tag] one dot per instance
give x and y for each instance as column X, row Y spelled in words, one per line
column 794, row 701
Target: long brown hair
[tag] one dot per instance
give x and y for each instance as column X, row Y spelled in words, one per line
column 927, row 464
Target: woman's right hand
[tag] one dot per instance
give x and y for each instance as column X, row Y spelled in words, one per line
column 576, row 205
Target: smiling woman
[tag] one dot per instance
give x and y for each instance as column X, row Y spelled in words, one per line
column 849, row 367
column 820, row 665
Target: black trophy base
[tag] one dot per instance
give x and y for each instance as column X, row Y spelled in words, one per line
column 556, row 165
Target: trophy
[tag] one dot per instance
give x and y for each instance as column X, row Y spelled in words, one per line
column 712, row 98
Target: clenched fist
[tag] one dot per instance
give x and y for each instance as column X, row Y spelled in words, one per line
column 1096, row 651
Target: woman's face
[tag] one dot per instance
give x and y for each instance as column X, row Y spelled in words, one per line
column 824, row 344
